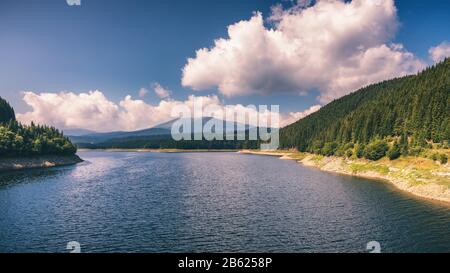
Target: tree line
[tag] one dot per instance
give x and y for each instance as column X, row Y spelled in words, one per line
column 17, row 139
column 166, row 142
column 404, row 115
column 6, row 112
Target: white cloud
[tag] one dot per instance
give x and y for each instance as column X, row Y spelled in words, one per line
column 68, row 110
column 94, row 111
column 161, row 91
column 142, row 92
column 295, row 116
column 440, row 52
column 332, row 46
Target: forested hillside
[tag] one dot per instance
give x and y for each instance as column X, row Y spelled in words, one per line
column 410, row 112
column 6, row 111
column 22, row 140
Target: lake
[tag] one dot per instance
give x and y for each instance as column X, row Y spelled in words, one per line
column 210, row 202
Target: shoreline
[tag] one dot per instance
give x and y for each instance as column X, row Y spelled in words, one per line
column 36, row 162
column 417, row 176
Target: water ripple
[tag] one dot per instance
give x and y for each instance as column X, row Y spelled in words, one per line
column 210, row 202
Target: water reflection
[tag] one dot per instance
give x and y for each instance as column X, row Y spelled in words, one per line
column 210, row 202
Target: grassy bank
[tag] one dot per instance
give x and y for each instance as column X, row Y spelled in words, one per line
column 420, row 176
column 43, row 161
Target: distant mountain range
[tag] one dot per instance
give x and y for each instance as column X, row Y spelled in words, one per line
column 78, row 132
column 143, row 138
column 414, row 108
column 95, row 138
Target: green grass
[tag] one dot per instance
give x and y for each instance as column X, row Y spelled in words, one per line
column 365, row 167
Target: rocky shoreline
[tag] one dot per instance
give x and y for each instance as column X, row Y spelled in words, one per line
column 418, row 176
column 46, row 161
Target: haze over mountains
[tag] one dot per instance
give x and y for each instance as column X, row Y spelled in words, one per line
column 161, row 131
column 414, row 107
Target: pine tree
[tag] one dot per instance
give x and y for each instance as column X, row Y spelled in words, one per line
column 416, row 107
column 6, row 112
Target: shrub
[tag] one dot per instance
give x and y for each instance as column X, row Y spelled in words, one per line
column 349, row 153
column 360, row 150
column 444, row 159
column 349, row 145
column 394, row 152
column 329, row 148
column 415, row 151
column 435, row 157
column 404, row 145
column 405, row 150
column 317, row 147
column 376, row 150
column 339, row 152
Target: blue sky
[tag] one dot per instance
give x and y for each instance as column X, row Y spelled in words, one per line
column 117, row 47
column 120, row 46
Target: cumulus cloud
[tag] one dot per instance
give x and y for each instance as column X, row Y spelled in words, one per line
column 440, row 52
column 142, row 92
column 94, row 111
column 295, row 116
column 160, row 91
column 332, row 46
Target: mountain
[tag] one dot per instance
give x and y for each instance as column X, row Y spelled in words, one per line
column 78, row 132
column 95, row 138
column 6, row 112
column 414, row 108
column 160, row 136
column 162, row 130
column 168, row 125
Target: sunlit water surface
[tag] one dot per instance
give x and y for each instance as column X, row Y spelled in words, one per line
column 210, row 202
